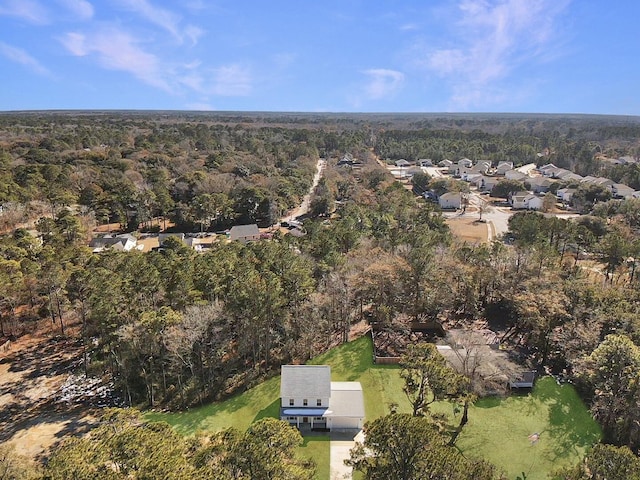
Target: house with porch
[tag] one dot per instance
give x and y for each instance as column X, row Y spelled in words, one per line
column 310, row 400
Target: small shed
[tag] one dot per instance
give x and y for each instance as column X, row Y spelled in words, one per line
column 522, row 380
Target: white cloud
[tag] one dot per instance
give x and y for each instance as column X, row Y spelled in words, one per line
column 231, row 81
column 165, row 19
column 116, row 49
column 491, row 40
column 408, row 27
column 30, row 10
column 382, row 83
column 200, row 106
column 80, row 8
column 20, row 56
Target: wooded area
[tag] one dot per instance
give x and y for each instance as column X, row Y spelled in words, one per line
column 173, row 328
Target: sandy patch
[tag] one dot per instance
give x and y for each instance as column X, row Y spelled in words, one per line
column 468, row 229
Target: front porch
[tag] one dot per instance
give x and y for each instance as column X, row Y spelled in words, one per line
column 306, row 418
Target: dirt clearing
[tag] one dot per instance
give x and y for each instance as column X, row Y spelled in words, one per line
column 468, row 229
column 34, row 415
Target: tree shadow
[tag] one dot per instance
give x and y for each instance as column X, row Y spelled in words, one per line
column 272, row 411
column 570, row 423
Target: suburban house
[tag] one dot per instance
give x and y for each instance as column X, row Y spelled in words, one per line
column 402, row 163
column 620, row 190
column 503, row 167
column 539, row 184
column 548, row 169
column 425, row 162
column 121, row 243
column 244, row 233
column 565, row 194
column 450, row 200
column 445, row 163
column 465, row 162
column 309, row 399
column 526, row 200
column 468, row 174
column 526, row 169
column 515, row 175
column 486, row 184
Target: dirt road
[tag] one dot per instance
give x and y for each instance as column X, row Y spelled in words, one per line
column 306, row 201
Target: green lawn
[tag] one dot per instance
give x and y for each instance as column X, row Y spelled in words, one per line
column 349, row 362
column 497, row 428
column 317, row 448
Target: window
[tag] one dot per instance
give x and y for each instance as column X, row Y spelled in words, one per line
column 319, row 402
column 305, row 402
column 291, row 402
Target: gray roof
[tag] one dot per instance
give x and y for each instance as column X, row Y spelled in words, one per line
column 306, row 381
column 346, row 400
column 450, row 195
column 104, row 242
column 243, row 231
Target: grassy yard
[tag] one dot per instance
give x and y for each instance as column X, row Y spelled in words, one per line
column 497, row 428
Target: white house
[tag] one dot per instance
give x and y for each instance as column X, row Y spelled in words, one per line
column 309, row 399
column 539, row 184
column 486, row 184
column 425, row 162
column 450, row 200
column 244, row 233
column 565, row 194
column 526, row 169
column 526, row 200
column 121, row 243
column 465, row 162
column 534, row 202
column 504, row 167
column 515, row 175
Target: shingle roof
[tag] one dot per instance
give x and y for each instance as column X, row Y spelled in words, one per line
column 307, row 381
column 346, row 400
column 243, row 231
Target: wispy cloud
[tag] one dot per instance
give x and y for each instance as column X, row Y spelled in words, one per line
column 234, row 80
column 20, row 56
column 29, row 10
column 201, row 106
column 382, row 83
column 165, row 19
column 492, row 39
column 82, row 9
column 116, row 49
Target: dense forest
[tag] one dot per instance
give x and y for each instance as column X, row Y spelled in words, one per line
column 174, row 327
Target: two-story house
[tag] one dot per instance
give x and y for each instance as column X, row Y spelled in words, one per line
column 309, row 399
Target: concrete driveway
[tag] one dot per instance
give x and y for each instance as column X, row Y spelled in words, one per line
column 340, row 445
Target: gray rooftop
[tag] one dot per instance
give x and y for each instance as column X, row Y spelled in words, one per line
column 306, row 381
column 346, row 400
column 243, row 231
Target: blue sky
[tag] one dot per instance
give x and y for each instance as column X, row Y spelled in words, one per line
column 555, row 56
